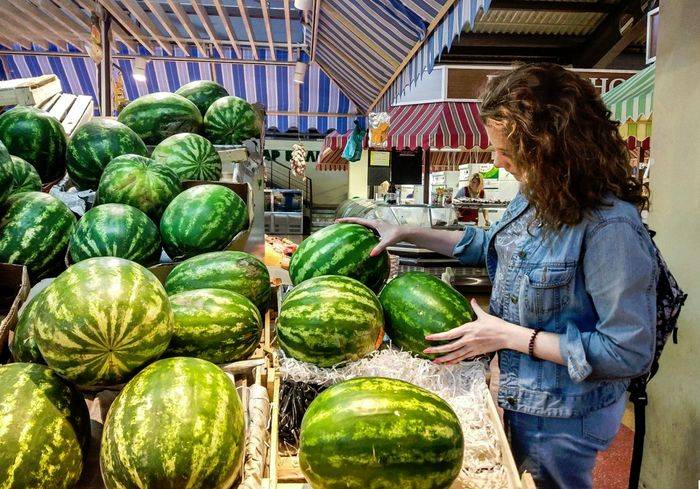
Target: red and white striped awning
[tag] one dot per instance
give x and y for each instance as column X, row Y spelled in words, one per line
column 331, row 158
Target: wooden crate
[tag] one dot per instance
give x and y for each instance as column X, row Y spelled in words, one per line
column 29, row 91
column 70, row 110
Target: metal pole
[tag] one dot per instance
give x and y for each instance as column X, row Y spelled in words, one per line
column 105, row 66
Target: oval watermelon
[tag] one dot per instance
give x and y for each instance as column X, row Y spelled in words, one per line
column 202, row 93
column 6, row 174
column 96, row 143
column 102, row 320
column 417, row 304
column 179, row 423
column 230, row 270
column 23, row 346
column 34, row 231
column 139, row 182
column 328, row 320
column 116, row 230
column 232, row 120
column 159, row 115
column 340, row 249
column 45, row 428
column 191, row 156
column 25, row 178
column 379, row 432
column 201, row 219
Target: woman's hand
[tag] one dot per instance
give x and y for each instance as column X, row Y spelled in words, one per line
column 389, row 234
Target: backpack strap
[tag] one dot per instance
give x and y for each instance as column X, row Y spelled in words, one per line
column 638, row 397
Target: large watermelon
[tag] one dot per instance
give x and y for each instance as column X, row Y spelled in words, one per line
column 231, row 120
column 137, row 181
column 159, row 115
column 202, row 93
column 34, row 231
column 25, row 178
column 215, row 325
column 230, row 270
column 102, row 320
column 179, row 423
column 341, row 249
column 94, row 145
column 330, row 319
column 417, row 304
column 380, row 433
column 201, row 219
column 23, row 346
column 116, row 230
column 191, row 156
column 36, row 137
column 44, row 428
column 6, row 174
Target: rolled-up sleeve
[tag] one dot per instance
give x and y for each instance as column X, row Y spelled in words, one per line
column 471, row 249
column 620, row 274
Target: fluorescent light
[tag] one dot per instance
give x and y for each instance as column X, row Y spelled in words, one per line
column 303, row 4
column 140, row 69
column 299, row 72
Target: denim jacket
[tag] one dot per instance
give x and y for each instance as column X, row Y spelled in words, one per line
column 594, row 284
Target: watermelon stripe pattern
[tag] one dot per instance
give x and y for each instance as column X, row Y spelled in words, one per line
column 378, row 432
column 191, row 156
column 24, row 177
column 202, row 93
column 23, row 346
column 231, row 120
column 6, row 174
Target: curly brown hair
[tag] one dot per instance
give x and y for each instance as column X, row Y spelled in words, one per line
column 563, row 139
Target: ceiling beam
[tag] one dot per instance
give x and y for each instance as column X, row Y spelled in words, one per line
column 234, row 11
column 167, row 24
column 118, row 14
column 288, row 28
column 136, row 11
column 80, row 31
column 549, row 6
column 268, row 29
column 204, row 17
column 314, row 32
column 18, row 35
column 185, row 21
column 88, row 5
column 221, row 12
column 34, row 20
column 518, row 40
column 248, row 29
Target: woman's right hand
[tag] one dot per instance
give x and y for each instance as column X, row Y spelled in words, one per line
column 389, row 234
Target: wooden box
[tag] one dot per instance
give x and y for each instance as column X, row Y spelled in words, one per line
column 29, row 91
column 14, row 289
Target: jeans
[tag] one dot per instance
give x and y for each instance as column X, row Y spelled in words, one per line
column 561, row 452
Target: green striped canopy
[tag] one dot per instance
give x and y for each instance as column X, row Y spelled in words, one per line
column 633, row 99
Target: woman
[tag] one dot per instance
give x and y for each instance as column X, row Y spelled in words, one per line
column 572, row 312
column 475, row 189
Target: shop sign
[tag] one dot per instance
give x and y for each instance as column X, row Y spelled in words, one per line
column 274, row 154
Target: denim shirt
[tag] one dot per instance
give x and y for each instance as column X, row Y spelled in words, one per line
column 594, row 284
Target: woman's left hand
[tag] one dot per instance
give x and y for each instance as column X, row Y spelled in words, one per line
column 485, row 334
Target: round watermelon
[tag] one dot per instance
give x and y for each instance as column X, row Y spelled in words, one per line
column 215, row 325
column 116, row 230
column 383, row 433
column 36, row 137
column 328, row 320
column 139, row 182
column 202, row 93
column 6, row 173
column 159, row 115
column 201, row 219
column 232, row 120
column 235, row 271
column 25, row 178
column 34, row 231
column 45, row 427
column 341, row 249
column 179, row 423
column 23, row 345
column 102, row 320
column 191, row 156
column 94, row 145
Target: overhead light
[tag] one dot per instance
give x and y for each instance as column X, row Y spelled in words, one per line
column 140, row 68
column 303, row 4
column 300, row 72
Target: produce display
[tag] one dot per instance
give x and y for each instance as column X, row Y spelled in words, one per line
column 202, row 93
column 232, row 120
column 191, row 156
column 6, row 174
column 25, row 178
column 23, row 346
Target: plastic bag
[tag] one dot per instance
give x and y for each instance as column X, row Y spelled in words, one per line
column 353, row 148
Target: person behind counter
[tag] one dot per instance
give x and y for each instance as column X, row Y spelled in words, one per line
column 475, row 189
column 572, row 310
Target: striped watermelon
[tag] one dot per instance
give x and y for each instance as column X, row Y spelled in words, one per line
column 378, row 432
column 23, row 346
column 159, row 115
column 25, row 178
column 44, row 428
column 6, row 174
column 191, row 156
column 177, row 424
column 341, row 249
column 232, row 120
column 215, row 325
column 116, row 230
column 96, row 143
column 230, row 270
column 34, row 231
column 137, row 181
column 201, row 219
column 102, row 320
column 330, row 319
column 202, row 93
column 36, row 137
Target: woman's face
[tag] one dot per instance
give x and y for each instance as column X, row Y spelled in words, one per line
column 502, row 157
column 474, row 184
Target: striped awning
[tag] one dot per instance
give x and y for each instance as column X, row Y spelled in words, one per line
column 332, row 160
column 451, row 160
column 633, row 99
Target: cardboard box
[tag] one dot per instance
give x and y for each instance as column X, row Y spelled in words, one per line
column 14, row 288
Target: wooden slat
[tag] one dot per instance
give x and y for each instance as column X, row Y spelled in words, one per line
column 227, row 25
column 34, row 25
column 88, row 6
column 59, row 33
column 136, row 11
column 268, row 29
column 288, row 27
column 49, row 102
column 127, row 23
column 80, row 31
column 185, row 20
column 166, row 23
column 75, row 11
column 17, row 35
column 80, row 112
column 248, row 29
column 123, row 37
column 202, row 14
column 62, row 106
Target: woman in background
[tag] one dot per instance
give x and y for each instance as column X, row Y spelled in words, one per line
column 475, row 190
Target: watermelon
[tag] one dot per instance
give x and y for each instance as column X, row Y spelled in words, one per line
column 177, row 424
column 25, row 178
column 230, row 270
column 102, row 320
column 34, row 231
column 328, row 320
column 44, row 428
column 232, row 120
column 417, row 304
column 96, row 143
column 202, row 93
column 191, row 156
column 36, row 137
column 137, row 181
column 340, row 249
column 23, row 346
column 215, row 325
column 159, row 115
column 201, row 219
column 116, row 230
column 6, row 173
column 381, row 433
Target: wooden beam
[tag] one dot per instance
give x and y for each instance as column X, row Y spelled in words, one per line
column 18, row 35
column 60, row 16
column 123, row 37
column 227, row 25
column 85, row 18
column 185, row 21
column 121, row 17
column 140, row 14
column 167, row 24
column 268, row 28
column 472, row 39
column 418, row 10
column 35, row 23
column 314, row 30
column 75, row 11
column 288, row 27
column 202, row 14
column 248, row 29
column 549, row 6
